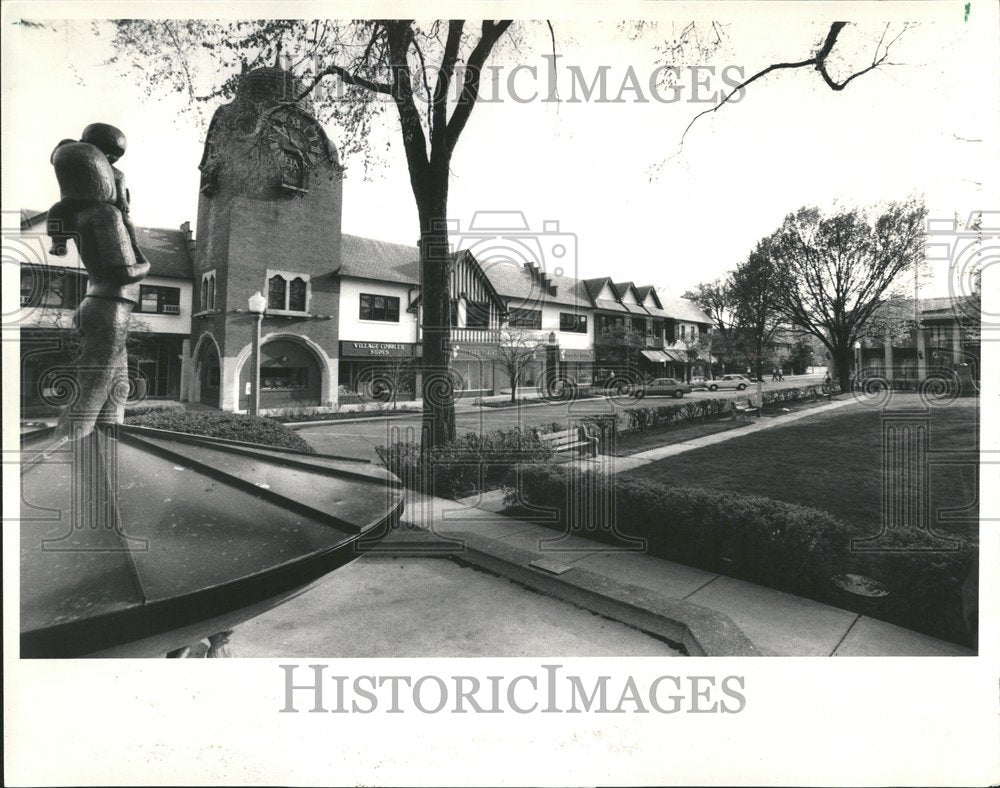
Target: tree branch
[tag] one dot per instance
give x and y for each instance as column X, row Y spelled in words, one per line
column 492, row 31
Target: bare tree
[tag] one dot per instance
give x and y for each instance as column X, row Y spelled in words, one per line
column 835, row 271
column 516, row 351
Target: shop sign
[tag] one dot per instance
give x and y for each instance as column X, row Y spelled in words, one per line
column 377, row 349
column 571, row 354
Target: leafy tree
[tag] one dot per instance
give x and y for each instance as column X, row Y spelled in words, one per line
column 834, row 271
column 752, row 291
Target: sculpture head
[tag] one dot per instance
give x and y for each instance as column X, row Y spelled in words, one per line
column 108, row 139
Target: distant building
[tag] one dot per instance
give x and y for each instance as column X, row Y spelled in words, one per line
column 342, row 311
column 922, row 338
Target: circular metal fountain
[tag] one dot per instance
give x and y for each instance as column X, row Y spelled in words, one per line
column 136, row 541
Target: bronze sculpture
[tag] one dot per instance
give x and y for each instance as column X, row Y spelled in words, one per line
column 93, row 211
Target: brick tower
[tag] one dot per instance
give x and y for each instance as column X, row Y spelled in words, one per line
column 269, row 218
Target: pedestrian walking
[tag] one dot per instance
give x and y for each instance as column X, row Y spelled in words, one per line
column 781, row 374
column 774, row 374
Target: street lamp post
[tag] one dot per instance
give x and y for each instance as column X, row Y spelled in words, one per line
column 257, row 305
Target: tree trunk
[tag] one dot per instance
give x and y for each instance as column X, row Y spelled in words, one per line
column 843, row 358
column 513, row 389
column 438, row 386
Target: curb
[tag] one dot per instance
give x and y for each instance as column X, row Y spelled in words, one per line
column 700, row 631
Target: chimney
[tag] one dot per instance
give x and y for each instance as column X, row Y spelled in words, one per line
column 188, row 237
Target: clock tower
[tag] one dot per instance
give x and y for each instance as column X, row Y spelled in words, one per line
column 269, row 216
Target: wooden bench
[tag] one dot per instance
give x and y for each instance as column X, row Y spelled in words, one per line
column 573, row 440
column 743, row 409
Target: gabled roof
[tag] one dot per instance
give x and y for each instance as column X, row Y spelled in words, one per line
column 682, row 309
column 167, row 250
column 515, row 280
column 594, row 288
column 366, row 258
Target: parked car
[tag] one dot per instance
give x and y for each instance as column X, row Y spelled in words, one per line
column 738, row 382
column 663, row 387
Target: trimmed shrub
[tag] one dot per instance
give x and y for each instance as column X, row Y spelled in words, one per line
column 782, row 545
column 222, row 424
column 642, row 419
column 748, row 536
column 152, row 406
column 472, row 463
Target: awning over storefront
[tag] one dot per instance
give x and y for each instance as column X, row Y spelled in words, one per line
column 678, row 356
column 656, row 356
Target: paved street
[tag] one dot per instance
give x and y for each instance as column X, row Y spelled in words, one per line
column 358, row 438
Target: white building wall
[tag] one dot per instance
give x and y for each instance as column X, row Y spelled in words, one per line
column 352, row 327
column 550, row 323
column 163, row 323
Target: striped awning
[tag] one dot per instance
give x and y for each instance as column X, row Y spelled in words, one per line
column 680, row 356
column 656, row 356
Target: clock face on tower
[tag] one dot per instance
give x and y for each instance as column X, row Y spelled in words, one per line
column 290, row 132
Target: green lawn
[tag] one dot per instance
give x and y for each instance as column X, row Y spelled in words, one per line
column 833, row 461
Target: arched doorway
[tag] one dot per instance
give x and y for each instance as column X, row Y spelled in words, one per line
column 291, row 376
column 209, row 374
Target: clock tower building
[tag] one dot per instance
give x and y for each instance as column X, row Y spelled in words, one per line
column 269, row 220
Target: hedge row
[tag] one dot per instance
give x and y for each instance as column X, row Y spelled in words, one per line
column 645, row 418
column 222, row 424
column 781, row 545
column 152, row 406
column 749, row 536
column 473, row 463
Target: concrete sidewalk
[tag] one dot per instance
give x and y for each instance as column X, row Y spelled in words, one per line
column 778, row 624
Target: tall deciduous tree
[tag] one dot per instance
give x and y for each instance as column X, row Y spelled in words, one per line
column 836, row 270
column 753, row 293
column 429, row 73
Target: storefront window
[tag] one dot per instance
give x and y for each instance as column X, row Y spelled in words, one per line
column 273, row 378
column 526, row 318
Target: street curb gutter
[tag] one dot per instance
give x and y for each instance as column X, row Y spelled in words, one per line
column 701, row 631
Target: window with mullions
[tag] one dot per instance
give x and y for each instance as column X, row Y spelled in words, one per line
column 940, row 336
column 477, row 314
column 51, row 287
column 576, row 324
column 287, row 292
column 276, row 289
column 526, row 318
column 208, row 291
column 379, row 307
column 157, row 300
column 297, row 295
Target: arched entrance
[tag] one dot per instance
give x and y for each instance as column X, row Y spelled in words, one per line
column 291, row 376
column 208, row 373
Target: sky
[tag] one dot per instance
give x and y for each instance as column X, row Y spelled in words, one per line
column 630, row 202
